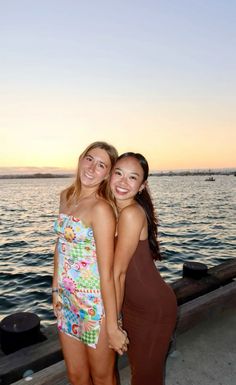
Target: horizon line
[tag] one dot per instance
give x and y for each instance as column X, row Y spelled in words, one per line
column 62, row 170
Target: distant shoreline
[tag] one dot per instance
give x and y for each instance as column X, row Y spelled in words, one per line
column 35, row 176
column 193, row 173
column 161, row 173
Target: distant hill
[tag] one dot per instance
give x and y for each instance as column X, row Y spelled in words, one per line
column 194, row 172
column 163, row 173
column 35, row 176
column 40, row 173
column 35, row 172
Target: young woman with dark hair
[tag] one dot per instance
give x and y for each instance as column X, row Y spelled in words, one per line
column 147, row 303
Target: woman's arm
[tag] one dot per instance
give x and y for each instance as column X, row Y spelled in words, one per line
column 55, row 297
column 55, row 281
column 103, row 224
column 131, row 222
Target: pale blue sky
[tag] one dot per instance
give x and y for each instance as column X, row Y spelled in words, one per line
column 154, row 76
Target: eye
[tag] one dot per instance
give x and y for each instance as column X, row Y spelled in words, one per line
column 101, row 165
column 117, row 172
column 133, row 177
column 88, row 157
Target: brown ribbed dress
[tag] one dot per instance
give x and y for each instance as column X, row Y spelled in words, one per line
column 149, row 317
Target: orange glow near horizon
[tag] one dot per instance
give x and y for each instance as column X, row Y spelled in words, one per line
column 167, row 92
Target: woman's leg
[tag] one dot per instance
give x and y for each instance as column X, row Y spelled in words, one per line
column 102, row 361
column 76, row 359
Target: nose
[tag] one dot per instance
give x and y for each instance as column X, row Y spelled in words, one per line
column 92, row 166
column 123, row 179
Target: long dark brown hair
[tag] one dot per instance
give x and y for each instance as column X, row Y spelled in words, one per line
column 144, row 199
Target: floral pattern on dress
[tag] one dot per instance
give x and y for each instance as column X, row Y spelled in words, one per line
column 81, row 308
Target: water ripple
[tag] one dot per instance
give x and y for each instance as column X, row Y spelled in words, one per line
column 196, row 223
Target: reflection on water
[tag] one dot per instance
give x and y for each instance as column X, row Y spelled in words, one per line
column 196, row 222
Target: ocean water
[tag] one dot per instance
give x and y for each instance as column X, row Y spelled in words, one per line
column 196, row 222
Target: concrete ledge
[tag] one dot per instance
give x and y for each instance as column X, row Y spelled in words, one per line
column 205, row 354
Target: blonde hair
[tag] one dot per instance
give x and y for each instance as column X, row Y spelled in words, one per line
column 104, row 190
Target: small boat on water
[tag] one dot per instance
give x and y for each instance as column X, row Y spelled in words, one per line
column 210, row 179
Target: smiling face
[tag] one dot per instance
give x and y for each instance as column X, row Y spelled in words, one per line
column 126, row 180
column 94, row 167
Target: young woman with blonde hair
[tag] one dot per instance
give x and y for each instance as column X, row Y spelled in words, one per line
column 83, row 285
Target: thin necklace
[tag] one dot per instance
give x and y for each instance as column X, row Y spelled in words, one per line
column 83, row 198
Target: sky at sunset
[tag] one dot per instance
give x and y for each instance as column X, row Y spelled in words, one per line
column 156, row 77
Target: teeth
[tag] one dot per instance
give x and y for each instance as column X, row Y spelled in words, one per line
column 121, row 190
column 88, row 176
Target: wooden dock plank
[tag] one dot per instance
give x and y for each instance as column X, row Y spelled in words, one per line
column 46, row 353
column 186, row 289
column 53, row 375
column 206, row 306
column 56, row 374
column 35, row 357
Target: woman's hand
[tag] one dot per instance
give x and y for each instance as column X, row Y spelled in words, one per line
column 56, row 303
column 118, row 340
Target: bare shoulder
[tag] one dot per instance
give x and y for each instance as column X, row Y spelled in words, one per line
column 102, row 207
column 131, row 223
column 133, row 213
column 103, row 219
column 63, row 195
column 63, row 199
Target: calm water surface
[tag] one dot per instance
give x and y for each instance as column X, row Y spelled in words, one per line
column 196, row 218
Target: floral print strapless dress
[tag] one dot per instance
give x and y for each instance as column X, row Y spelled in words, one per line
column 81, row 308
